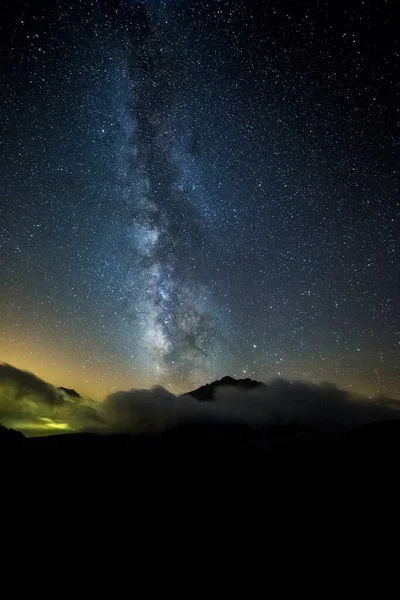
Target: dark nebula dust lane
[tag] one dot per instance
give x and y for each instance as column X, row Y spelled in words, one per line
column 195, row 189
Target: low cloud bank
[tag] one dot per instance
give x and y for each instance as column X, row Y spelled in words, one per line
column 323, row 406
column 146, row 411
column 35, row 407
column 30, row 405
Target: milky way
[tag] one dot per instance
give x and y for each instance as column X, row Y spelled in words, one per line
column 174, row 330
column 196, row 189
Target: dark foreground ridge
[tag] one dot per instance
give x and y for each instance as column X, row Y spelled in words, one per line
column 274, row 440
column 10, row 436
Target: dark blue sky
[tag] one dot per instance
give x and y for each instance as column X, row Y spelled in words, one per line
column 194, row 189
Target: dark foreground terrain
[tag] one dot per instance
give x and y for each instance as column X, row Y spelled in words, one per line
column 222, row 439
column 277, row 476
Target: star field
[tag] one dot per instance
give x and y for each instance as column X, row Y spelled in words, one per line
column 195, row 189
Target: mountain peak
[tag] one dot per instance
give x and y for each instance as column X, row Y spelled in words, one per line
column 207, row 392
column 69, row 392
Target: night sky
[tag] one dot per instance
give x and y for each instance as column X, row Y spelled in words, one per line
column 196, row 189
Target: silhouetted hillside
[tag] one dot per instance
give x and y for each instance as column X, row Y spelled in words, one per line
column 206, row 393
column 378, row 436
column 70, row 392
column 10, row 436
column 292, row 445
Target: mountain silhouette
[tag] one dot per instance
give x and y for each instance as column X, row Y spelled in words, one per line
column 70, row 392
column 206, row 393
column 10, row 436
